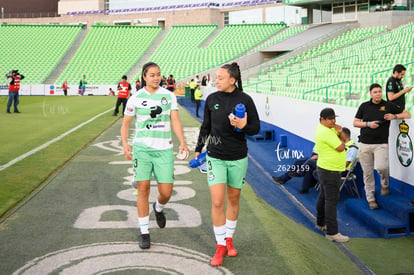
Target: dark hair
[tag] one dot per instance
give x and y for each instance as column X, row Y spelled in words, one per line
column 124, row 77
column 346, row 131
column 234, row 71
column 145, row 70
column 373, row 86
column 399, row 68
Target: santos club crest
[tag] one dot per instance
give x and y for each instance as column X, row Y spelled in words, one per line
column 404, row 145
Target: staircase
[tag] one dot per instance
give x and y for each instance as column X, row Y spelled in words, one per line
column 51, row 78
column 394, row 219
column 145, row 57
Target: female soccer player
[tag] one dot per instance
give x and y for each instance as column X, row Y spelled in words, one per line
column 226, row 153
column 155, row 110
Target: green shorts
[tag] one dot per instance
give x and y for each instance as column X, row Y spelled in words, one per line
column 230, row 172
column 161, row 163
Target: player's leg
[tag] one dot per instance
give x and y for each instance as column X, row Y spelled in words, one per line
column 164, row 174
column 236, row 177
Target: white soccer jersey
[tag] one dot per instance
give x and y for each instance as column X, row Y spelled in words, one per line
column 153, row 121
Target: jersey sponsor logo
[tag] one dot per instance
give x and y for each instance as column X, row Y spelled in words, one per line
column 382, row 108
column 156, row 110
column 144, row 103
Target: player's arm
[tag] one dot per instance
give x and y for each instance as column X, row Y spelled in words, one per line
column 178, row 130
column 124, row 136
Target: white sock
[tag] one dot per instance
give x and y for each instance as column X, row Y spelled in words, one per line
column 144, row 224
column 159, row 207
column 220, row 233
column 230, row 228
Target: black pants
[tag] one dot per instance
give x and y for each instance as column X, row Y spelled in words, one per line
column 118, row 103
column 192, row 95
column 328, row 198
column 198, row 103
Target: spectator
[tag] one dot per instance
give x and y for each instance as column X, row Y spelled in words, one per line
column 124, row 89
column 305, row 168
column 373, row 117
column 197, row 97
column 204, row 81
column 329, row 143
column 65, row 88
column 171, row 83
column 152, row 151
column 395, row 89
column 192, row 86
column 137, row 85
column 197, row 80
column 163, row 82
column 14, row 79
column 226, row 154
column 82, row 85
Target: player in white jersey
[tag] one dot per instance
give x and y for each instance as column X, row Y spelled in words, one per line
column 155, row 110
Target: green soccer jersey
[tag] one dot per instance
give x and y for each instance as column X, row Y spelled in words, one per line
column 152, row 118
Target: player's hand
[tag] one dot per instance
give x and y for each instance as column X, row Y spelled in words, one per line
column 196, row 154
column 127, row 152
column 183, row 147
column 238, row 122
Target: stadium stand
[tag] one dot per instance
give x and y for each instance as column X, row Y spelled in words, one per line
column 279, row 37
column 339, row 60
column 153, row 8
column 341, row 70
column 107, row 53
column 180, row 53
column 47, row 44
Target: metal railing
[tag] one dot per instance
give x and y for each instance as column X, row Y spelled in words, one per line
column 342, row 59
column 386, row 70
column 301, row 74
column 327, row 88
column 258, row 83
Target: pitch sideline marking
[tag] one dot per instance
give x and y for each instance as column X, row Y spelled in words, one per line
column 44, row 145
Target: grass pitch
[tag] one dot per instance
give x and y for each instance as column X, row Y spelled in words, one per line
column 43, row 119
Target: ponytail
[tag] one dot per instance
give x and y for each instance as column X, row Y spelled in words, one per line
column 234, row 71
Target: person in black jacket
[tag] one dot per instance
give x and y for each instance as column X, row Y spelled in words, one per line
column 226, row 153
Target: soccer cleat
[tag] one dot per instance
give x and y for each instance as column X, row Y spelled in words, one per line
column 145, row 241
column 218, row 257
column 231, row 251
column 160, row 217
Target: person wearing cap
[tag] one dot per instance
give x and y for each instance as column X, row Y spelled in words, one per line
column 330, row 145
column 124, row 89
column 373, row 117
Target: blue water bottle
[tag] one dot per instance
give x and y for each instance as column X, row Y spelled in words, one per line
column 200, row 160
column 239, row 112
